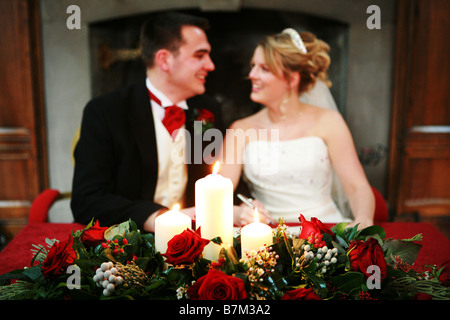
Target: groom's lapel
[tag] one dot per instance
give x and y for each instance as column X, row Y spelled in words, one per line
column 197, row 168
column 142, row 124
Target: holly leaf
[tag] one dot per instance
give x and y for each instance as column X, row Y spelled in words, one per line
column 349, row 282
column 339, row 229
column 339, row 247
column 372, row 231
column 319, row 282
column 35, row 274
column 406, row 250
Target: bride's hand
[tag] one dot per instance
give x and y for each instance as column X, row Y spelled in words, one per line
column 363, row 223
column 244, row 215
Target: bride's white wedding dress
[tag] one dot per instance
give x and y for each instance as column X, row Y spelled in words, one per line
column 292, row 177
column 295, row 177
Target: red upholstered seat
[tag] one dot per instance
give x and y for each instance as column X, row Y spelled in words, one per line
column 381, row 209
column 41, row 205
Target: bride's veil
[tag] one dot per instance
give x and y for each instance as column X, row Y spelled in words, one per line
column 321, row 96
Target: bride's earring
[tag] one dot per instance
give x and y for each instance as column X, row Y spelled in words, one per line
column 283, row 107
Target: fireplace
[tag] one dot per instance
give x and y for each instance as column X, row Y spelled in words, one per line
column 115, row 60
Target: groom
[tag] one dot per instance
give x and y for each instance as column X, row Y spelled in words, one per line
column 124, row 164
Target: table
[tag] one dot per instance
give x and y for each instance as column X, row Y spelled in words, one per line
column 17, row 254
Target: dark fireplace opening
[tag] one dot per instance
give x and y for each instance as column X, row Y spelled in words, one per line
column 233, row 36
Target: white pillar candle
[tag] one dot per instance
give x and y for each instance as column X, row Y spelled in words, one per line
column 255, row 235
column 214, row 211
column 168, row 225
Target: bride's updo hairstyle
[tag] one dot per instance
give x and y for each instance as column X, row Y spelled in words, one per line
column 285, row 52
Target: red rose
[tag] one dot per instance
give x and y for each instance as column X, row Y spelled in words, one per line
column 422, row 296
column 94, row 235
column 300, row 294
column 205, row 115
column 444, row 277
column 216, row 285
column 185, row 247
column 312, row 227
column 363, row 254
column 60, row 256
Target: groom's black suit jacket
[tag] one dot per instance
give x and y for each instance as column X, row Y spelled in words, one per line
column 116, row 161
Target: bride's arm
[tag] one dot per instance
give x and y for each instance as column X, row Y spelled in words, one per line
column 231, row 158
column 349, row 169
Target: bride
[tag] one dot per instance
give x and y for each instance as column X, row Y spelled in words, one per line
column 291, row 171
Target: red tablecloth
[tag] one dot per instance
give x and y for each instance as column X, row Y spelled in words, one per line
column 18, row 254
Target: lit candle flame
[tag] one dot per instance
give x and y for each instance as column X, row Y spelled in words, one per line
column 256, row 215
column 216, row 167
column 176, row 207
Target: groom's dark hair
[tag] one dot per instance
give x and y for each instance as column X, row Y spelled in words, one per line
column 164, row 32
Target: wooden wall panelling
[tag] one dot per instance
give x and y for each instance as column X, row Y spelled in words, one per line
column 420, row 129
column 23, row 153
column 425, row 186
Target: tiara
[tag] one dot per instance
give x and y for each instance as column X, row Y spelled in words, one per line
column 296, row 39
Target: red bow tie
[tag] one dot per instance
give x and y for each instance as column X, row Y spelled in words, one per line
column 174, row 116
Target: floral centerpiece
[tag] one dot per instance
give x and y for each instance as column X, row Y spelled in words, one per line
column 120, row 262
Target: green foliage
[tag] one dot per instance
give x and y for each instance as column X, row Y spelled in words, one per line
column 288, row 264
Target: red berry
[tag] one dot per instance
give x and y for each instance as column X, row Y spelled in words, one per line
column 124, row 241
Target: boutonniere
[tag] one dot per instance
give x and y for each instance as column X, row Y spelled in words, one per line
column 204, row 116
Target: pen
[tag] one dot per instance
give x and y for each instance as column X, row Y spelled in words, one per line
column 246, row 200
column 249, row 203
